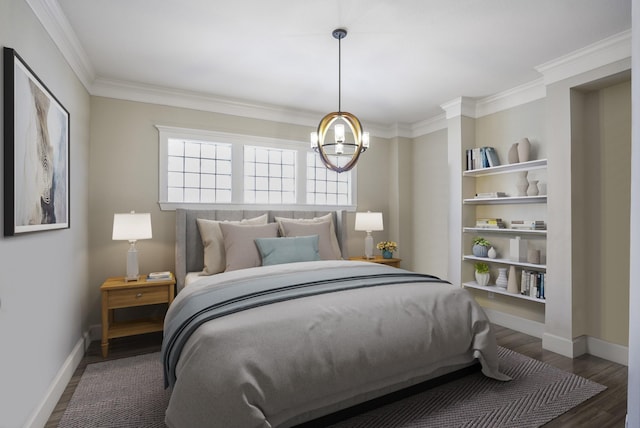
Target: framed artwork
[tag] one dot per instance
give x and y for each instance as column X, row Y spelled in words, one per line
column 36, row 152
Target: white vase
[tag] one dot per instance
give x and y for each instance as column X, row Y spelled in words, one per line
column 524, row 149
column 502, row 281
column 482, row 278
column 492, row 253
column 522, row 184
column 532, row 190
column 512, row 155
column 512, row 282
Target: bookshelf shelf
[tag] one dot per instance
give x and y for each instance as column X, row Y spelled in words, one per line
column 504, row 169
column 524, row 232
column 498, row 290
column 507, row 262
column 541, row 199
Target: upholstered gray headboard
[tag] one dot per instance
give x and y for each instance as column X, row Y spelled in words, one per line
column 189, row 248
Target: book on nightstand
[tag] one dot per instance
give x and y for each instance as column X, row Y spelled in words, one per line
column 159, row 276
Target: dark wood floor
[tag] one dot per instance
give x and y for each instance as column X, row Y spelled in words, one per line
column 607, row 409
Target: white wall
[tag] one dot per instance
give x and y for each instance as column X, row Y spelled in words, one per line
column 43, row 275
column 633, row 395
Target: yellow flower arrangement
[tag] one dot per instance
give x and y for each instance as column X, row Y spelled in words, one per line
column 387, row 246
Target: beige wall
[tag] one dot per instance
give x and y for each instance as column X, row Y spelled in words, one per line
column 606, row 208
column 430, row 225
column 124, row 177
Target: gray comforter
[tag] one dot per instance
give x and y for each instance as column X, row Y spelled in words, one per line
column 264, row 347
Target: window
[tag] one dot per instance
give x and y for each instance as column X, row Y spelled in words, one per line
column 220, row 170
column 198, row 171
column 269, row 175
column 326, row 187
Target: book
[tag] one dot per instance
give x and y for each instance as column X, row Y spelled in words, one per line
column 492, row 156
column 482, row 195
column 159, row 276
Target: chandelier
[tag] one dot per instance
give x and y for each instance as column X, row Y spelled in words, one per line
column 343, row 145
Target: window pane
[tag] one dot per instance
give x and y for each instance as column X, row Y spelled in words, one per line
column 175, row 163
column 174, row 179
column 192, row 149
column 224, row 182
column 192, row 165
column 192, row 180
column 208, row 151
column 175, row 148
column 208, row 182
column 223, row 196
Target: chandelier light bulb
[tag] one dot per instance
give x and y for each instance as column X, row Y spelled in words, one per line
column 339, row 134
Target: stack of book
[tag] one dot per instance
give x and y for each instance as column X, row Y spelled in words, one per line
column 490, row 223
column 528, row 225
column 159, row 276
column 484, row 195
column 532, row 284
column 482, row 157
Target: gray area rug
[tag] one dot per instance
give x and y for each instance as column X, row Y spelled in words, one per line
column 129, row 393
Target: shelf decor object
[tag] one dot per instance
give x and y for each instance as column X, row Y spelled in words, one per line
column 132, row 227
column 341, row 147
column 512, row 156
column 502, row 281
column 532, row 190
column 524, row 149
column 518, row 249
column 368, row 222
column 512, row 281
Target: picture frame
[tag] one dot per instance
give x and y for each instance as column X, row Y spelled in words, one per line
column 36, row 152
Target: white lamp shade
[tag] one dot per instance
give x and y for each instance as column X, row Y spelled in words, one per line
column 131, row 226
column 369, row 221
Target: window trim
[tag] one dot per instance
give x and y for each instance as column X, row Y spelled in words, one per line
column 238, row 141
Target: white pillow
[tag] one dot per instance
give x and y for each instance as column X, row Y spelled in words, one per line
column 337, row 254
column 322, row 230
column 213, row 242
column 240, row 246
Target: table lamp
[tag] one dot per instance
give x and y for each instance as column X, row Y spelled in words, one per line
column 132, row 227
column 369, row 222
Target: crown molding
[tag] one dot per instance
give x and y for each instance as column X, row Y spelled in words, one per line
column 57, row 26
column 427, row 126
column 603, row 52
column 461, row 106
column 510, row 98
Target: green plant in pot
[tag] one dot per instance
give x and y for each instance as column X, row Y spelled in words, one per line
column 482, row 273
column 480, row 247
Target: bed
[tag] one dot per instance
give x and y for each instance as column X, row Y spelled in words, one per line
column 280, row 344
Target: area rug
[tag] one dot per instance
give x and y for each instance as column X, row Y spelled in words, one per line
column 129, row 393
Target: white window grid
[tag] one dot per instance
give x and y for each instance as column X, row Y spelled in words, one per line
column 324, row 186
column 269, row 175
column 198, row 171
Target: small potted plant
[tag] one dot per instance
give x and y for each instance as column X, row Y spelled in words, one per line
column 482, row 273
column 480, row 247
column 387, row 248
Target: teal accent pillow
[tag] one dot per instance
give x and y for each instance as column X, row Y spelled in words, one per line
column 275, row 251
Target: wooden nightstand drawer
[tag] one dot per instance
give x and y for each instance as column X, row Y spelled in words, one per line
column 138, row 297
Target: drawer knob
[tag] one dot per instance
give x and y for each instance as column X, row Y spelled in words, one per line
column 139, row 295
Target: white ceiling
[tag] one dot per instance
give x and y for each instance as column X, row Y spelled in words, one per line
column 401, row 60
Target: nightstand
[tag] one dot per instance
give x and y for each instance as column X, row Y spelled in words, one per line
column 118, row 293
column 378, row 259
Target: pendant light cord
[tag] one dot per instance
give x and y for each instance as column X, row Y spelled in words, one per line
column 339, row 74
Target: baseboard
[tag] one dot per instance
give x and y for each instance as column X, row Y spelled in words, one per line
column 532, row 328
column 609, row 351
column 42, row 413
column 571, row 348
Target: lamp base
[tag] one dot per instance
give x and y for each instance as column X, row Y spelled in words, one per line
column 368, row 246
column 132, row 263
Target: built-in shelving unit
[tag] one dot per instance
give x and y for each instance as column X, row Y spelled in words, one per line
column 471, row 203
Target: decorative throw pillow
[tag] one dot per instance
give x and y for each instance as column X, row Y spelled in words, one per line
column 275, row 251
column 337, row 254
column 239, row 243
column 323, row 230
column 212, row 240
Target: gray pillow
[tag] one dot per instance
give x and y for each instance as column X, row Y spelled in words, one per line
column 275, row 251
column 323, row 230
column 335, row 246
column 213, row 242
column 239, row 243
